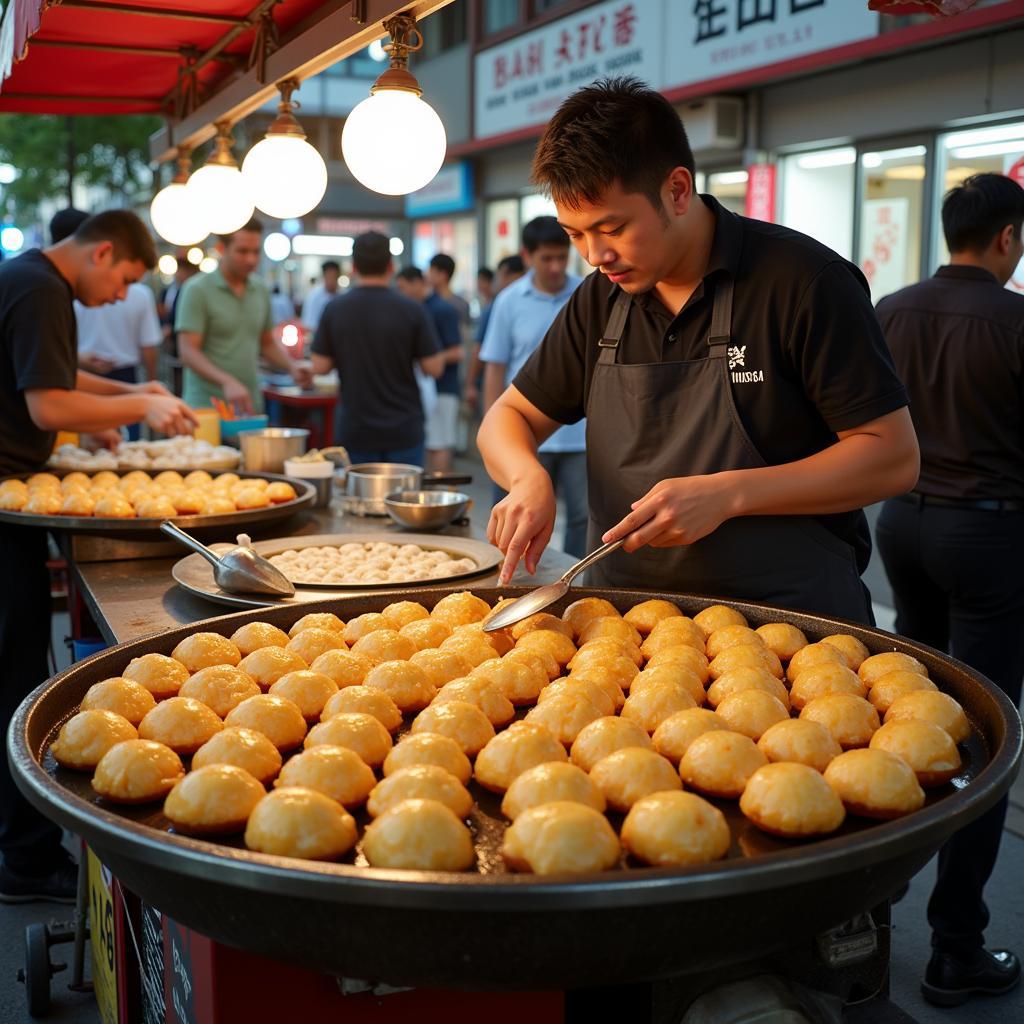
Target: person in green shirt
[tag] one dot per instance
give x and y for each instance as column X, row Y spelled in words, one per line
column 224, row 326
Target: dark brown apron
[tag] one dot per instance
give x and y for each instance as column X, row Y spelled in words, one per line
column 651, row 421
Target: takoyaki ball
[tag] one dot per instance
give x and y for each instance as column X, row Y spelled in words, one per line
column 215, row 800
column 404, row 682
column 542, row 620
column 520, row 682
column 122, row 696
column 156, row 507
column 182, row 723
column 75, row 481
column 312, row 642
column 220, row 688
column 927, row 748
column 279, row 492
column 188, row 502
column 244, row 748
column 823, row 680
column 548, row 783
column 616, row 667
column 580, row 612
column 162, row 676
column 559, row 646
column 45, row 502
column 603, row 737
column 459, row 609
column 443, row 666
column 463, row 722
column 359, row 732
column 744, row 656
column 299, row 822
column 591, row 691
column 169, row 478
column 112, row 505
column 752, row 712
column 720, row 762
column 475, row 649
column 597, row 679
column 675, row 829
column 77, row 503
column 430, row 748
column 363, row 625
column 419, row 835
column 675, row 734
column 48, row 482
column 800, row 741
column 564, row 715
column 522, row 746
column 280, row 720
column 811, row 655
column 643, row 617
column 254, row 635
column 731, row 636
column 792, row 801
column 385, row 645
column 851, row 720
column 611, row 646
column 13, row 487
column 250, row 497
column 853, row 650
column 215, row 505
column 420, row 782
column 677, row 674
column 337, row 772
column 613, row 626
column 308, row 689
column 105, row 479
column 499, row 639
column 364, row 700
column 200, row 477
column 747, row 677
column 136, row 772
column 343, row 668
column 718, row 616
column 133, row 479
column 486, row 695
column 682, row 654
column 872, row 669
column 317, row 620
column 401, row 613
column 673, row 632
column 426, row 634
column 632, row 773
column 931, row 706
column 560, row 836
column 201, row 650
column 13, row 501
column 894, row 685
column 782, row 638
column 266, row 665
column 875, row 784
column 655, row 702
column 535, row 656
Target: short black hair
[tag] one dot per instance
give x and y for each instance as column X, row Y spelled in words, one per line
column 979, row 208
column 65, row 223
column 253, row 224
column 371, row 254
column 330, row 265
column 410, row 273
column 486, row 273
column 512, row 264
column 128, row 234
column 614, row 130
column 543, row 231
column 443, row 262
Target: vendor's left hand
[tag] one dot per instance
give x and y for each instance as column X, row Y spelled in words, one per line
column 302, row 374
column 677, row 511
column 151, row 387
column 110, row 439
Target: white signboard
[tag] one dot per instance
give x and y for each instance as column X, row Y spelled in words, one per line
column 521, row 83
column 883, row 244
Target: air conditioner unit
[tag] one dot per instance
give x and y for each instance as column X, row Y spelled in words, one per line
column 715, row 123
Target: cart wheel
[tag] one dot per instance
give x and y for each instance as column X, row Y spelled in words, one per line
column 37, row 970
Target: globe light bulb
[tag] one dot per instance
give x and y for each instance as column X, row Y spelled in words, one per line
column 287, row 176
column 221, row 197
column 172, row 213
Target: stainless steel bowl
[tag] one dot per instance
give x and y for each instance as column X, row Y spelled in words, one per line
column 426, row 510
column 265, row 451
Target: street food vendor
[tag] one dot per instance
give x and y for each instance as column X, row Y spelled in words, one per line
column 741, row 404
column 43, row 391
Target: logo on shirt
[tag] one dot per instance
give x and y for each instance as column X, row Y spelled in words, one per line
column 737, row 355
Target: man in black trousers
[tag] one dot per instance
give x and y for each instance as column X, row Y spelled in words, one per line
column 953, row 548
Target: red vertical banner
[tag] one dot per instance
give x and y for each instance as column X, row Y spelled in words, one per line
column 761, row 192
column 1016, row 172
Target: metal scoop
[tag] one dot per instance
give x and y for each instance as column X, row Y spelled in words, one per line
column 240, row 570
column 539, row 599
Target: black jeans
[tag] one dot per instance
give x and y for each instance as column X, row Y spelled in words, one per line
column 29, row 842
column 957, row 575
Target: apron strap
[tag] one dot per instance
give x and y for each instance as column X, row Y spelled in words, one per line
column 721, row 319
column 609, row 342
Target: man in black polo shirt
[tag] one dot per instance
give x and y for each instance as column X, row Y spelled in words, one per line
column 954, row 547
column 741, row 404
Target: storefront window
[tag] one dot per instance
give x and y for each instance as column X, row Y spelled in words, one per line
column 457, row 238
column 502, row 230
column 729, row 188
column 499, row 15
column 891, row 217
column 817, row 196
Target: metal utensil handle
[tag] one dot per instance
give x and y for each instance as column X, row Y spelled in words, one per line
column 190, row 542
column 594, row 556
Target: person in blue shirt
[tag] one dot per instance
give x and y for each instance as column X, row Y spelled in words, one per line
column 519, row 318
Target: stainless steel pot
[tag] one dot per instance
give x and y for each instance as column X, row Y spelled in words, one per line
column 265, row 451
column 426, row 510
column 371, row 482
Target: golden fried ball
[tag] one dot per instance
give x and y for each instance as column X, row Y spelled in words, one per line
column 677, row 829
column 718, row 616
column 465, row 723
column 731, row 636
column 162, row 676
column 401, row 613
column 872, row 669
column 215, row 800
column 591, row 691
column 720, row 762
column 675, row 734
column 266, row 665
column 564, row 715
column 813, row 655
column 156, row 507
column 927, row 748
column 404, row 682
column 279, row 492
column 744, row 656
column 747, row 677
column 597, row 679
column 545, row 660
column 254, row 635
column 47, row 481
column 308, row 689
column 875, row 784
column 105, row 479
column 426, row 634
column 46, row 502
column 822, row 680
column 430, row 748
column 559, row 646
column 484, row 693
column 520, row 682
column 614, row 667
column 520, row 747
column 476, row 649
column 500, row 639
column 13, row 501
column 751, row 712
column 136, row 772
column 299, row 822
column 133, row 479
column 77, row 503
column 853, row 650
column 459, row 609
column 201, row 650
column 655, row 702
column 581, row 612
column 310, row 643
column 280, row 720
column 364, row 625
column 542, row 620
column 682, row 654
column 793, row 801
column 317, row 620
column 385, row 645
column 894, row 685
column 198, row 477
column 609, row 645
column 169, row 477
column 366, row 701
column 343, row 668
column 13, row 487
column 337, row 772
column 250, row 497
column 931, row 706
column 244, row 748
column 627, row 775
column 220, row 688
column 441, row 666
column 122, row 696
column 75, row 481
column 182, row 723
column 419, row 835
column 674, row 674
column 359, row 732
column 851, row 720
column 214, row 505
column 782, row 638
column 800, row 741
column 560, row 836
column 613, row 626
column 679, row 630
column 420, row 782
column 188, row 502
column 112, row 505
column 647, row 614
column 548, row 783
column 603, row 737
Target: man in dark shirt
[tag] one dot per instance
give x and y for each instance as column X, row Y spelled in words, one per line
column 954, row 547
column 43, row 391
column 374, row 337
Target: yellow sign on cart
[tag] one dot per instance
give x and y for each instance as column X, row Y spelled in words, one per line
column 101, row 939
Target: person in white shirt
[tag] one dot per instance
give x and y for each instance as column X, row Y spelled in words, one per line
column 318, row 297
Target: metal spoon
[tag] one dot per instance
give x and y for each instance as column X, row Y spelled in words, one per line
column 240, row 570
column 540, row 598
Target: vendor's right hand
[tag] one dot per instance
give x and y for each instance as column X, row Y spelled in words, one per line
column 169, row 415
column 236, row 394
column 521, row 523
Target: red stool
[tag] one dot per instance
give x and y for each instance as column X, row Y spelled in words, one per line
column 298, row 408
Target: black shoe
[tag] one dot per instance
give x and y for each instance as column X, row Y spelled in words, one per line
column 59, row 886
column 949, row 981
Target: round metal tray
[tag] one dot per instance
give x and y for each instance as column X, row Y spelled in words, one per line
column 195, row 574
column 491, row 929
